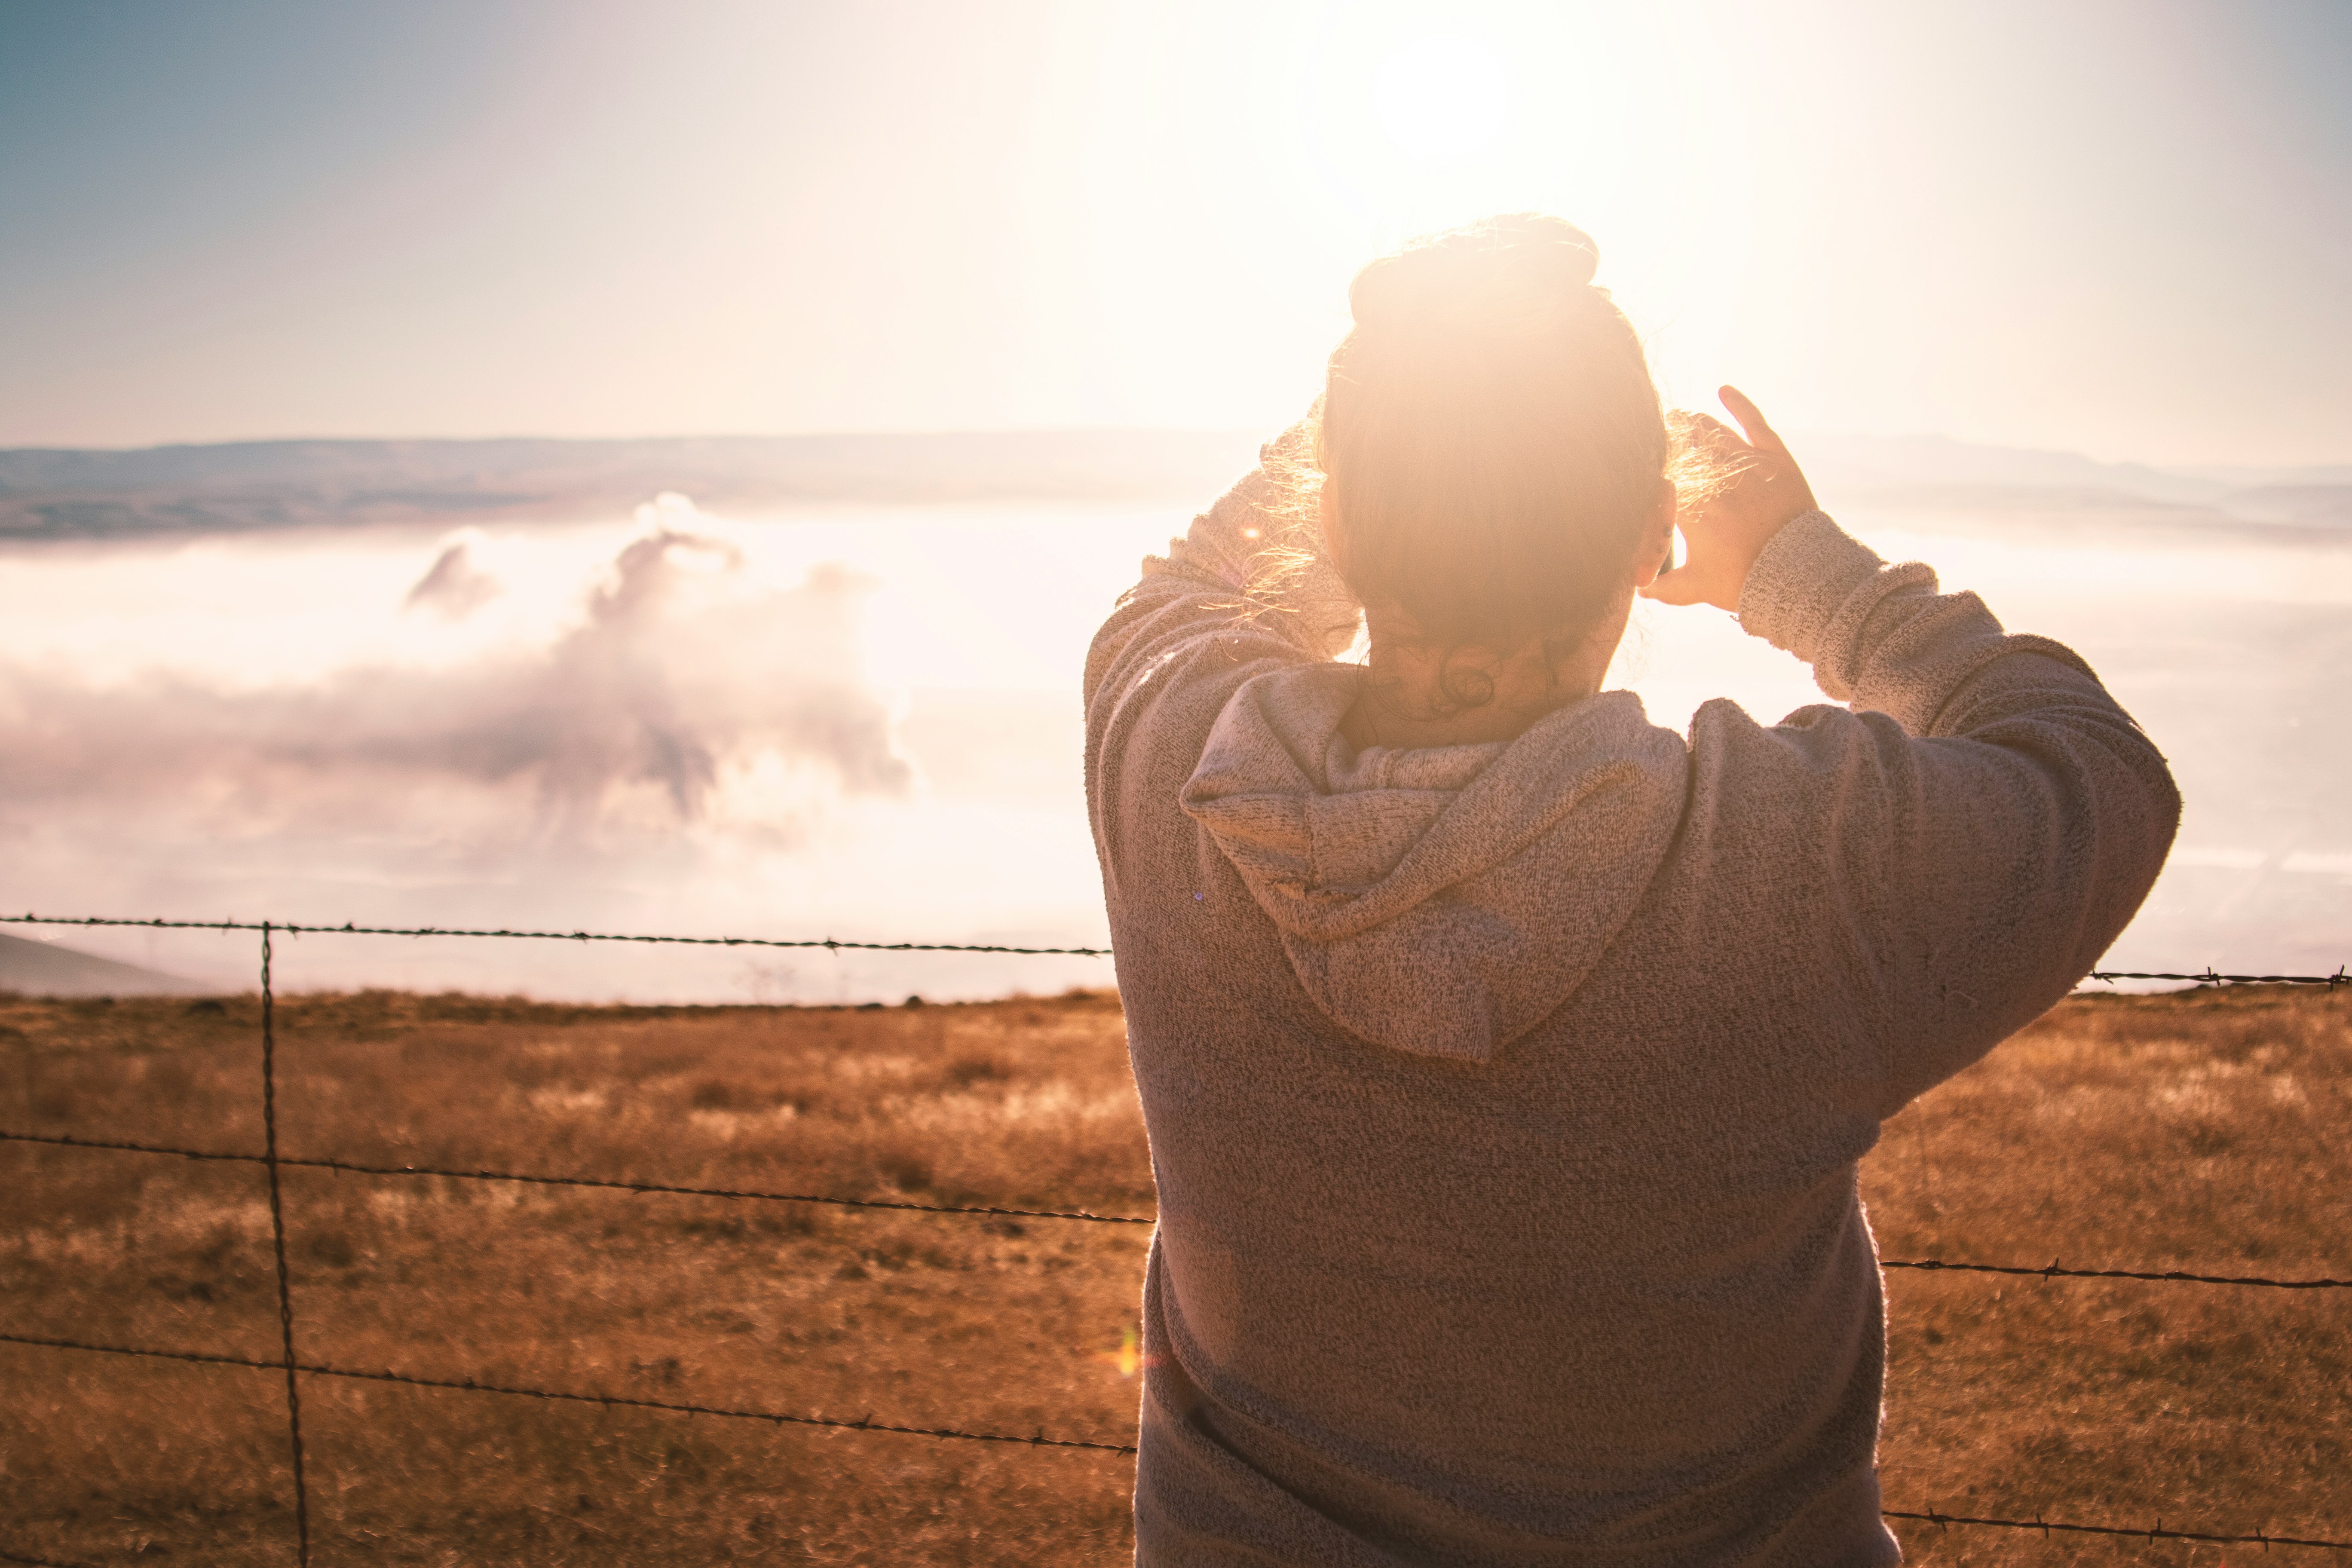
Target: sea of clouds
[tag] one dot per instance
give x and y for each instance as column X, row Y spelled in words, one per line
column 862, row 726
column 862, row 723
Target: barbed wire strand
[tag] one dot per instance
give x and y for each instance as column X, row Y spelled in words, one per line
column 278, row 1239
column 2167, row 1276
column 475, row 1385
column 608, row 1184
column 2157, row 1532
column 2052, row 1271
column 348, row 928
column 1039, row 1441
column 2343, row 976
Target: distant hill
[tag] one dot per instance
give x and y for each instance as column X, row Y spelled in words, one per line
column 66, row 493
column 1940, row 464
column 1936, row 473
column 45, row 968
column 59, row 493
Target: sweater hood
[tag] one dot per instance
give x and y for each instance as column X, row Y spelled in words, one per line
column 1441, row 901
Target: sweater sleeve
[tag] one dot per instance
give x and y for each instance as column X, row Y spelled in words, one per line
column 1986, row 818
column 1251, row 572
column 1249, row 589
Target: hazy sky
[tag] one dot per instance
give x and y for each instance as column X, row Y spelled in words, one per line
column 2123, row 227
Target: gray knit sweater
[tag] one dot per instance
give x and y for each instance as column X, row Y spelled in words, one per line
column 1505, row 1100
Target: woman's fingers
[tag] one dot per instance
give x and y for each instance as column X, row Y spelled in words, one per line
column 1743, row 493
column 1751, row 421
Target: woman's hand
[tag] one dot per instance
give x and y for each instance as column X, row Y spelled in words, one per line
column 1728, row 525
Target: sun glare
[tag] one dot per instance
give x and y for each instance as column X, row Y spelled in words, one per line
column 1344, row 127
column 1441, row 97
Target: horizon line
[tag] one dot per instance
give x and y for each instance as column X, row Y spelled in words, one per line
column 1235, row 432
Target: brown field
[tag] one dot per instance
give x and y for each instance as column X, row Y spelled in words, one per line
column 2204, row 1132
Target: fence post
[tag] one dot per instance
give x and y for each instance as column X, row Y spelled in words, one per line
column 277, row 1236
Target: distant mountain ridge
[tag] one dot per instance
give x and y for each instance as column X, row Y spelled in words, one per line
column 53, row 493
column 1935, row 471
column 76, row 493
column 45, row 968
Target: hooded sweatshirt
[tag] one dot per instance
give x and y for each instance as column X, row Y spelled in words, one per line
column 1505, row 1100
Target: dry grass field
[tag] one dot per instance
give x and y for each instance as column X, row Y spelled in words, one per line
column 2204, row 1132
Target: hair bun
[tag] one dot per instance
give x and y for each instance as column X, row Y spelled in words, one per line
column 1498, row 272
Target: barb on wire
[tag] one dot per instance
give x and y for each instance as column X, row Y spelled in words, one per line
column 474, row 1385
column 348, row 928
column 597, row 1182
column 2156, row 1532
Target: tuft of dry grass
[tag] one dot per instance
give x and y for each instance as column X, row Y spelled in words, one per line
column 2199, row 1131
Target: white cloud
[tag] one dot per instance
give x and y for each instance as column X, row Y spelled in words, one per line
column 679, row 674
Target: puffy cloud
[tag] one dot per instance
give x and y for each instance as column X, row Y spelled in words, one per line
column 679, row 670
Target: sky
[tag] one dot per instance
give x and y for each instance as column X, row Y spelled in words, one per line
column 2114, row 227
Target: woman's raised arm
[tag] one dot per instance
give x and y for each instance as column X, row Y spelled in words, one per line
column 1969, row 836
column 1252, row 565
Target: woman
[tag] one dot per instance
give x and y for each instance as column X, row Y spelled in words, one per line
column 1507, row 1060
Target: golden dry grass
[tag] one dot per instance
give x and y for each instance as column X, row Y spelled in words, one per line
column 2203, row 1132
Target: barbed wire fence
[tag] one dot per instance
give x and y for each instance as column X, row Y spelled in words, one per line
column 294, row 1369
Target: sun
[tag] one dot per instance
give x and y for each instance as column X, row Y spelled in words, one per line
column 1441, row 97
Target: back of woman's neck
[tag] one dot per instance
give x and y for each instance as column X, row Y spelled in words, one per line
column 1414, row 693
column 1403, row 704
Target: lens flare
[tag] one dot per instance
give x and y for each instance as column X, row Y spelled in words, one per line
column 1126, row 1360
